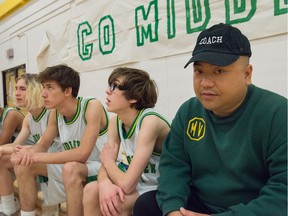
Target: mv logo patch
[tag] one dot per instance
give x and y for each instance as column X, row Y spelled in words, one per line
column 196, row 128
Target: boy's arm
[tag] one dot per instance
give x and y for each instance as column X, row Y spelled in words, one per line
column 109, row 193
column 151, row 128
column 20, row 139
column 25, row 156
column 12, row 121
column 49, row 134
column 87, row 143
column 112, row 138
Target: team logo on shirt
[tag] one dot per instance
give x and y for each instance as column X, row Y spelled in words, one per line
column 196, row 128
column 71, row 144
column 36, row 137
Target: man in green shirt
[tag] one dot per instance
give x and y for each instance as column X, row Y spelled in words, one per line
column 226, row 153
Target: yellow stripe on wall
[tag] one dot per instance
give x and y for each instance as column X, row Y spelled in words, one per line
column 9, row 6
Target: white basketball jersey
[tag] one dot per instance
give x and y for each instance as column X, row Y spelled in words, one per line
column 128, row 146
column 37, row 127
column 71, row 132
column 38, row 124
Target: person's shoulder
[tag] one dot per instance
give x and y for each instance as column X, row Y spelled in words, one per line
column 26, row 120
column 28, row 116
column 191, row 102
column 189, row 107
column 92, row 107
column 10, row 109
column 155, row 114
column 267, row 103
column 150, row 111
column 13, row 112
column 90, row 100
column 268, row 96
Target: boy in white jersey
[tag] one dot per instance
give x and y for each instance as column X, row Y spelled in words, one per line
column 11, row 121
column 28, row 94
column 80, row 122
column 137, row 131
column 10, row 124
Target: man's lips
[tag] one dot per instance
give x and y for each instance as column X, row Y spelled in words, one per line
column 208, row 94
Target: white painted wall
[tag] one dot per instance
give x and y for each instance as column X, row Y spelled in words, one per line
column 24, row 30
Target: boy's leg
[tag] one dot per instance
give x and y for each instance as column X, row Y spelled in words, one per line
column 146, row 205
column 9, row 205
column 26, row 177
column 74, row 177
column 129, row 203
column 91, row 199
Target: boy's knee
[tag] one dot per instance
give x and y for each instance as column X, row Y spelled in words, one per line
column 23, row 170
column 91, row 189
column 90, row 192
column 71, row 173
column 69, row 169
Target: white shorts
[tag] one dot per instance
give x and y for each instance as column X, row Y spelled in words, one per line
column 143, row 188
column 56, row 191
column 147, row 183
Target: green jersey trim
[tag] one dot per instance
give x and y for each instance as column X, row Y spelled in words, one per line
column 106, row 116
column 39, row 117
column 76, row 114
column 156, row 114
column 107, row 120
column 129, row 134
column 6, row 108
column 85, row 108
column 161, row 117
column 91, row 178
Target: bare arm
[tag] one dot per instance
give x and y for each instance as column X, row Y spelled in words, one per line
column 82, row 153
column 48, row 136
column 112, row 139
column 25, row 156
column 12, row 123
column 20, row 140
column 110, row 195
column 151, row 132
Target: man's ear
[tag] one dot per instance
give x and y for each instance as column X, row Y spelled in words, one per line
column 248, row 74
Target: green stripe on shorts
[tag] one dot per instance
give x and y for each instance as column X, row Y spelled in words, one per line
column 91, row 178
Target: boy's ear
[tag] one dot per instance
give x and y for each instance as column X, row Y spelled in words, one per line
column 68, row 91
column 133, row 101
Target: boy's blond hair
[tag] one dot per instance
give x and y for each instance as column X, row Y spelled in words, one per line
column 33, row 98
